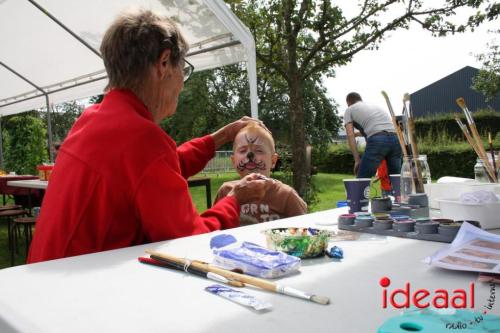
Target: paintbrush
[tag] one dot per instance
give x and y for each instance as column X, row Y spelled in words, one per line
column 419, row 185
column 157, row 261
column 492, row 152
column 395, row 124
column 471, row 141
column 246, row 279
column 477, row 138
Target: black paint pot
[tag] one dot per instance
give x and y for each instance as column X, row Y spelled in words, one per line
column 347, row 219
column 382, row 224
column 404, row 225
column 381, row 205
column 427, row 227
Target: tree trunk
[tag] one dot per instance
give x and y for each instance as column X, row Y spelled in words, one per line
column 300, row 176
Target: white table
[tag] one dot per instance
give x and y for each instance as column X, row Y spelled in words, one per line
column 32, row 183
column 112, row 292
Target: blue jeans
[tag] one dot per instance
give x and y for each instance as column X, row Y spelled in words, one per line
column 378, row 148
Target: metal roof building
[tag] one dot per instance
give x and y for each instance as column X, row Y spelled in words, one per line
column 440, row 96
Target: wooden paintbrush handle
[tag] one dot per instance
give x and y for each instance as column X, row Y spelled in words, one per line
column 261, row 283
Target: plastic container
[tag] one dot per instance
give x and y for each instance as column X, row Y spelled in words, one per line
column 44, row 171
column 455, row 189
column 486, row 214
column 299, row 242
column 255, row 260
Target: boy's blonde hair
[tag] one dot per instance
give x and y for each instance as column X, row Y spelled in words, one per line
column 254, row 128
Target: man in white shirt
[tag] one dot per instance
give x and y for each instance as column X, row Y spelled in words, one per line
column 381, row 139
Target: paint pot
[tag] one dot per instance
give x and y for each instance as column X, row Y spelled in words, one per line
column 362, row 214
column 403, row 210
column 419, row 199
column 342, row 203
column 427, row 227
column 423, row 219
column 404, row 225
column 400, row 217
column 382, row 224
column 381, row 215
column 347, row 219
column 474, row 223
column 380, row 205
column 363, row 221
column 449, row 229
column 443, row 221
column 358, row 193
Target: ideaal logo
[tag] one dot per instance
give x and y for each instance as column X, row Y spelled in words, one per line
column 423, row 298
column 440, row 299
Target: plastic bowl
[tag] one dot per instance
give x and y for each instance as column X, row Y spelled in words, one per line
column 299, row 242
column 486, row 214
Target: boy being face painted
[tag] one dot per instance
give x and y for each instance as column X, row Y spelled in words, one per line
column 253, row 151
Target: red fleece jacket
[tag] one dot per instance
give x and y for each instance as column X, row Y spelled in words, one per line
column 120, row 181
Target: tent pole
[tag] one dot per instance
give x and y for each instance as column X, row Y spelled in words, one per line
column 1, row 144
column 49, row 130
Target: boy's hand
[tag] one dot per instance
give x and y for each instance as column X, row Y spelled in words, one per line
column 251, row 188
column 228, row 132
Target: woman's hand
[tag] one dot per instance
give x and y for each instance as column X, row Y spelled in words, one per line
column 252, row 187
column 228, row 132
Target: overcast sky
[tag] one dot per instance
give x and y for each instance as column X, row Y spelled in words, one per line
column 406, row 61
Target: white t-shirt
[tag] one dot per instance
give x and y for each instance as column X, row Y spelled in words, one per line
column 371, row 118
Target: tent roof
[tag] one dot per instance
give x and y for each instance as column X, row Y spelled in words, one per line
column 50, row 47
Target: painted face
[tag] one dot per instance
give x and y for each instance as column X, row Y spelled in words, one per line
column 253, row 153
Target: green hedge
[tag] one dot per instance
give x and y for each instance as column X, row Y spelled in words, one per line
column 455, row 160
column 445, row 125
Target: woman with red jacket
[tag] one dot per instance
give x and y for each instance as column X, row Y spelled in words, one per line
column 120, row 180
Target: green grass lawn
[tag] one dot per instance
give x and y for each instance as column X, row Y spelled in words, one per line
column 330, row 189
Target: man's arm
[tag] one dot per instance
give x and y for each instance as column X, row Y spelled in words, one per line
column 352, row 145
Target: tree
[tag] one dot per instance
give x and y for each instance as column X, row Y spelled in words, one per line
column 487, row 81
column 25, row 144
column 298, row 40
column 63, row 116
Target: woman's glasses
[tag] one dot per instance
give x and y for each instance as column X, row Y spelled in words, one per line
column 187, row 70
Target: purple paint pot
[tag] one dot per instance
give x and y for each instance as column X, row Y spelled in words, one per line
column 427, row 227
column 347, row 219
column 404, row 225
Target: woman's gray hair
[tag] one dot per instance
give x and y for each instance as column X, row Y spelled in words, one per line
column 134, row 42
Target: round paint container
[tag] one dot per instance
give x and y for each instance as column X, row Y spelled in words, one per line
column 381, row 216
column 419, row 199
column 427, row 227
column 347, row 219
column 423, row 219
column 382, row 224
column 363, row 221
column 449, row 229
column 380, row 205
column 404, row 225
column 443, row 221
column 400, row 217
column 403, row 210
column 362, row 214
column 474, row 223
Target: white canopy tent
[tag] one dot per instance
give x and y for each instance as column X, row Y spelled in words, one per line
column 49, row 49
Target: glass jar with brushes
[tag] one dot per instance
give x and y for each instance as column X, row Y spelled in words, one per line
column 415, row 172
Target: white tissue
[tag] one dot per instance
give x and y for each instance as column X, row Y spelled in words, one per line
column 479, row 197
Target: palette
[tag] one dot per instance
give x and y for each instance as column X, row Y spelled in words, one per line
column 436, row 230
